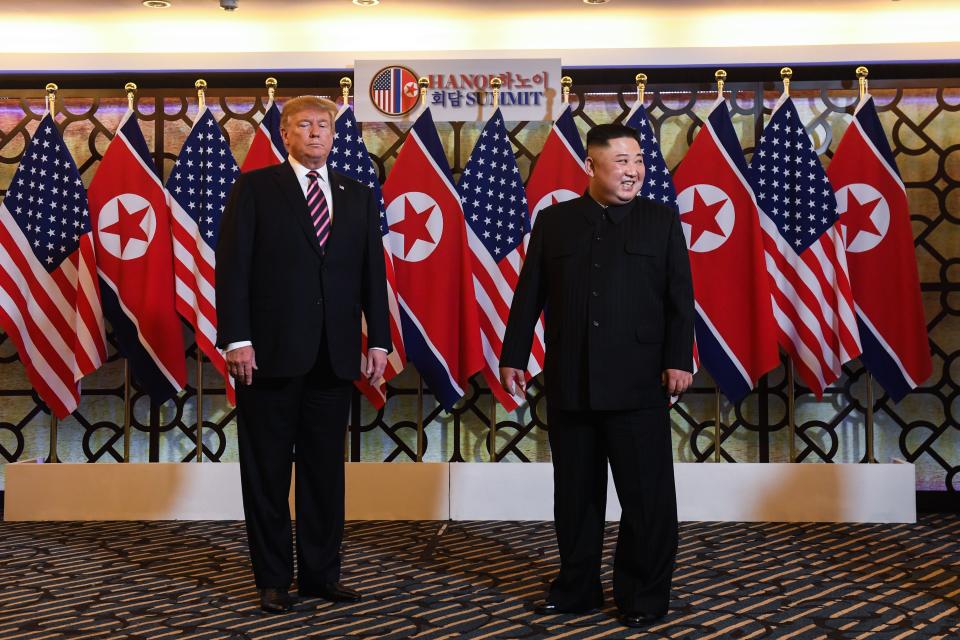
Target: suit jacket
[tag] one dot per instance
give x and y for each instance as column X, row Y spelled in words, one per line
column 618, row 298
column 276, row 288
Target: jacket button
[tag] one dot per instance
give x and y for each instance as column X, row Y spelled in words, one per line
column 595, row 294
column 596, row 264
column 596, row 323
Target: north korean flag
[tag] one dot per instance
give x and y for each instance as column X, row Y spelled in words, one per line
column 432, row 261
column 267, row 147
column 875, row 221
column 735, row 328
column 558, row 174
column 135, row 262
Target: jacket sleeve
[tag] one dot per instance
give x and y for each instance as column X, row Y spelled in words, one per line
column 678, row 305
column 374, row 282
column 234, row 255
column 528, row 301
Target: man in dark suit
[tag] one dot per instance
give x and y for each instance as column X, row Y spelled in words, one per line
column 299, row 257
column 612, row 273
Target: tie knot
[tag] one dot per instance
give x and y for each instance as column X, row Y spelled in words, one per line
column 313, row 175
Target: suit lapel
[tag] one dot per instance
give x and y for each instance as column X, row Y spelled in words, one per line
column 340, row 216
column 291, row 189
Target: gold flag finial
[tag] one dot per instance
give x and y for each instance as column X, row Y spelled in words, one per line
column 566, row 82
column 641, row 79
column 201, row 86
column 423, row 83
column 496, row 83
column 51, row 96
column 862, row 73
column 721, row 77
column 345, row 85
column 271, row 88
column 786, row 74
column 131, row 90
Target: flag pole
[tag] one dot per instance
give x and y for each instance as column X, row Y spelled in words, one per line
column 495, row 84
column 199, row 404
column 51, row 97
column 716, row 423
column 641, row 79
column 791, row 411
column 271, row 89
column 566, row 82
column 51, row 102
column 201, row 86
column 126, row 410
column 345, row 85
column 786, row 75
column 52, row 456
column 423, row 83
column 721, row 78
column 131, row 90
column 419, row 417
column 862, row 73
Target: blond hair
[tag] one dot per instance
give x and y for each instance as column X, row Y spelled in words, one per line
column 294, row 106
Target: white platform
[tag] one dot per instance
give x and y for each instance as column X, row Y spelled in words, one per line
column 462, row 491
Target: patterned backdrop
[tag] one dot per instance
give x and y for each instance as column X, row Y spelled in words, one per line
column 922, row 120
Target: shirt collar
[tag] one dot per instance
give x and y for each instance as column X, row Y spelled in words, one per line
column 616, row 212
column 302, row 171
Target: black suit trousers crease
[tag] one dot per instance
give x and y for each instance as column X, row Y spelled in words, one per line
column 276, row 417
column 637, row 444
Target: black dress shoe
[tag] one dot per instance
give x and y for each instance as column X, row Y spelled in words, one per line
column 276, row 600
column 550, row 608
column 639, row 620
column 332, row 591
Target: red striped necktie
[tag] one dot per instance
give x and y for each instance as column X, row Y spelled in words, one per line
column 317, row 206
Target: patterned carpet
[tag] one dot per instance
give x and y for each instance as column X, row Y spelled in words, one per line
column 179, row 580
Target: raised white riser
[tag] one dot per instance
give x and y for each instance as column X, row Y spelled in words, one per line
column 462, row 491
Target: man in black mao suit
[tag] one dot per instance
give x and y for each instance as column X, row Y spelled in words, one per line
column 299, row 258
column 612, row 273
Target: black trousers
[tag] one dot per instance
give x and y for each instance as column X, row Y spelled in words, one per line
column 637, row 445
column 275, row 417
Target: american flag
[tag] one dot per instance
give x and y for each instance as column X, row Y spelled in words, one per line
column 349, row 156
column 657, row 183
column 197, row 190
column 49, row 297
column 805, row 256
column 495, row 207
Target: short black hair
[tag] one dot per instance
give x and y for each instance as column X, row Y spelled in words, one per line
column 602, row 134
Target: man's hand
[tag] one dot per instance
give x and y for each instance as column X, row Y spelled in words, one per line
column 376, row 363
column 513, row 380
column 676, row 381
column 240, row 364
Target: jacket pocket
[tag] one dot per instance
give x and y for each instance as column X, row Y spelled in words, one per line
column 649, row 333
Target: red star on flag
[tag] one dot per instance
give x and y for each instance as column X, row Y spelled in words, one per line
column 413, row 227
column 128, row 225
column 857, row 217
column 703, row 217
